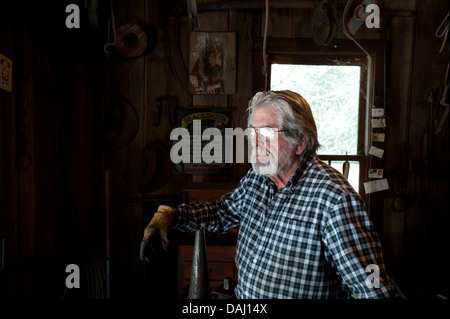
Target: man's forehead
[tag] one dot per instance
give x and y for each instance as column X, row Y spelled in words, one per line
column 264, row 115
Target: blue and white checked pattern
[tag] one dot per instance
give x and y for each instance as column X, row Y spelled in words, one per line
column 312, row 239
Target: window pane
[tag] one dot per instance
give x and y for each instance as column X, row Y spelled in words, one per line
column 332, row 91
column 353, row 173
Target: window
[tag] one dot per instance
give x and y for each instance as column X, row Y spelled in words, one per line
column 333, row 79
column 333, row 92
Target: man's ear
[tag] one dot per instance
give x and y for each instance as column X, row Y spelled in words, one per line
column 301, row 147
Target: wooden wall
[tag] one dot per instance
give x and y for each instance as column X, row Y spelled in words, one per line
column 53, row 211
column 52, row 205
column 414, row 235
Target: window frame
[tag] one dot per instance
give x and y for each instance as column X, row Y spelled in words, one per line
column 292, row 51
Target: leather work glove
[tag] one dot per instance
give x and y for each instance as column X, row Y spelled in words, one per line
column 161, row 224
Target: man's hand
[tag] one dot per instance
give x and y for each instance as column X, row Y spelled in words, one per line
column 161, row 223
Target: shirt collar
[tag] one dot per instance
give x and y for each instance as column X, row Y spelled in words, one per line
column 305, row 164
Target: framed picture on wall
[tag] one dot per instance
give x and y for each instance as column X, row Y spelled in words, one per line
column 212, row 63
column 201, row 153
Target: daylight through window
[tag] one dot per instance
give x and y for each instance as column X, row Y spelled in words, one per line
column 333, row 92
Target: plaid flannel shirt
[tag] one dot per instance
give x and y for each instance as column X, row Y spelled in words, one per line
column 311, row 239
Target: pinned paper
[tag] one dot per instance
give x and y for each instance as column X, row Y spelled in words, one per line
column 377, row 112
column 378, row 123
column 376, row 186
column 378, row 137
column 375, row 173
column 375, row 151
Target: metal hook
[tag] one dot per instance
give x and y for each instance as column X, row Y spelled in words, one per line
column 113, row 23
column 264, row 68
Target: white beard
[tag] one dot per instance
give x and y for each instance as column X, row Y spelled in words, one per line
column 271, row 167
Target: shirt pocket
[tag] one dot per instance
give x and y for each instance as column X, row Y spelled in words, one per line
column 296, row 216
column 299, row 234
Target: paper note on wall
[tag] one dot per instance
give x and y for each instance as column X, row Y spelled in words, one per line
column 378, row 137
column 375, row 151
column 375, row 173
column 377, row 112
column 376, row 186
column 378, row 123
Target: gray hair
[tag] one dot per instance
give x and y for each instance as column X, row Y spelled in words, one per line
column 294, row 115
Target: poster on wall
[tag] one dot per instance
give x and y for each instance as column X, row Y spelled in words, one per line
column 212, row 63
column 6, row 73
column 203, row 153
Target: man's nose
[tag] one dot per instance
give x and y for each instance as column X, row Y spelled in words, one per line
column 254, row 140
column 260, row 141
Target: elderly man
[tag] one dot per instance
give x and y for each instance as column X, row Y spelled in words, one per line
column 303, row 230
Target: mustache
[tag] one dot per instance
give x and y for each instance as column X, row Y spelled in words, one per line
column 269, row 157
column 263, row 152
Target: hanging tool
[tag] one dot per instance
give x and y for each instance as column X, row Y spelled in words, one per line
column 355, row 23
column 192, row 13
column 174, row 51
column 359, row 17
column 172, row 105
column 113, row 26
column 121, row 124
column 444, row 102
column 370, row 87
column 346, row 166
column 266, row 26
column 131, row 40
column 442, row 31
column 3, row 254
column 324, row 23
column 97, row 14
column 158, row 166
column 426, row 144
column 108, row 261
